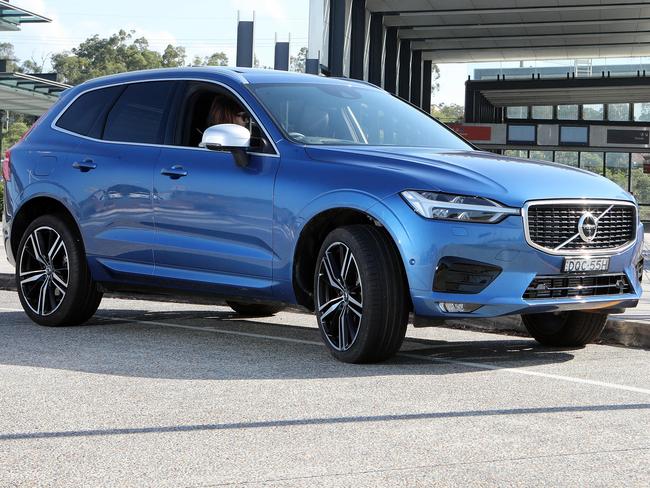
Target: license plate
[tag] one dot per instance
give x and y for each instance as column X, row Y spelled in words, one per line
column 585, row 265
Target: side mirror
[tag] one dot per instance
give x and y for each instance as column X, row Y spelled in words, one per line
column 232, row 138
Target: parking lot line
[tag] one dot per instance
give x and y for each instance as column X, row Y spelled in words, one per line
column 486, row 366
column 470, row 364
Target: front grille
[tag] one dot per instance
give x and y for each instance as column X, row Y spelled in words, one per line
column 551, row 224
column 571, row 286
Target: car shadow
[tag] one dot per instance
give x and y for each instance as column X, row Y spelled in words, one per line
column 215, row 345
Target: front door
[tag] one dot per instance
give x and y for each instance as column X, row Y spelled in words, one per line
column 213, row 218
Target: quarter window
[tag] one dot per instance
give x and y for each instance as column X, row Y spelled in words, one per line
column 87, row 113
column 140, row 113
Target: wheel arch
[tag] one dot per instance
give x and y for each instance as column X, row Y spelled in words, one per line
column 35, row 207
column 313, row 233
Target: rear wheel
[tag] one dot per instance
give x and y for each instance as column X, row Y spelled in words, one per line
column 565, row 329
column 52, row 276
column 255, row 309
column 360, row 295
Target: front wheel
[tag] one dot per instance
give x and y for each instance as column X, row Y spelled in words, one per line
column 360, row 295
column 52, row 276
column 565, row 329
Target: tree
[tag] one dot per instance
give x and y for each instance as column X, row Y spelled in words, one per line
column 118, row 53
column 173, row 57
column 217, row 59
column 7, row 52
column 448, row 113
column 298, row 62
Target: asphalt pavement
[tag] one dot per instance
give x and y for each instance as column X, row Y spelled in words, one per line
column 171, row 395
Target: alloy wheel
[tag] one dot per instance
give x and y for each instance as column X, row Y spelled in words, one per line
column 44, row 271
column 339, row 296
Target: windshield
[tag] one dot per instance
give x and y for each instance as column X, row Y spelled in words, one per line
column 316, row 113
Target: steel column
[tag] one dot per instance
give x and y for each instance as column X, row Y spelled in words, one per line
column 390, row 62
column 416, row 78
column 376, row 48
column 357, row 38
column 426, row 86
column 404, row 70
column 336, row 37
column 245, row 30
column 281, row 56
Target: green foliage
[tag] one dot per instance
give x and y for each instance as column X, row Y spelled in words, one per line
column 2, row 196
column 118, row 53
column 216, row 59
column 15, row 132
column 299, row 61
column 448, row 113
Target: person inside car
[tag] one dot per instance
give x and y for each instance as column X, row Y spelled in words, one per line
column 225, row 110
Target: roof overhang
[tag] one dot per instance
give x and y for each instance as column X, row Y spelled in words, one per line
column 503, row 30
column 28, row 94
column 506, row 93
column 11, row 17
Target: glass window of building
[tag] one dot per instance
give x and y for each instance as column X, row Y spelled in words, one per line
column 516, row 153
column 618, row 112
column 543, row 112
column 592, row 161
column 617, row 168
column 517, row 112
column 593, row 111
column 542, row 155
column 642, row 112
column 640, row 187
column 567, row 112
column 569, row 158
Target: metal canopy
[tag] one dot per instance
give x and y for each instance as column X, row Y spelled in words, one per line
column 28, row 94
column 512, row 93
column 11, row 17
column 502, row 30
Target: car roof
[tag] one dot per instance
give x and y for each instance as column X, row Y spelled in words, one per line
column 236, row 75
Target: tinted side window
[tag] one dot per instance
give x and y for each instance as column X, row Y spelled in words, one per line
column 87, row 114
column 139, row 115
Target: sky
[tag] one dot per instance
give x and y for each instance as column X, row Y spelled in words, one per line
column 201, row 26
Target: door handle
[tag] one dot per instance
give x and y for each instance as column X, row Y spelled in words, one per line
column 175, row 172
column 84, row 166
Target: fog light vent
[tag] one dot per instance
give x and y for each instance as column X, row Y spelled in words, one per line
column 451, row 307
column 459, row 275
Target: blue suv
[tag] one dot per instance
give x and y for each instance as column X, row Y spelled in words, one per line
column 269, row 189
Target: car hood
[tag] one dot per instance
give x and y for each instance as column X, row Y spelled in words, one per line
column 511, row 181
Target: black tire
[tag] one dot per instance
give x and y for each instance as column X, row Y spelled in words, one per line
column 565, row 329
column 66, row 271
column 376, row 283
column 254, row 309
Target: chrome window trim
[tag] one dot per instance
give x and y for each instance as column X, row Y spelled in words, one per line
column 574, row 201
column 191, row 78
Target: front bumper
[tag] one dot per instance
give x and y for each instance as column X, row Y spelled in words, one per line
column 503, row 245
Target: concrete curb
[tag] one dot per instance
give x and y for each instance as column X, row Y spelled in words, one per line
column 621, row 332
column 618, row 331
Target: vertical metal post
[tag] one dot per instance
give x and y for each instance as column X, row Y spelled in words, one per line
column 390, row 63
column 281, row 61
column 357, row 38
column 376, row 48
column 245, row 31
column 404, row 70
column 426, row 86
column 315, row 39
column 336, row 37
column 416, row 78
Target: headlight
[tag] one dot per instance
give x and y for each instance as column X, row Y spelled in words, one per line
column 445, row 206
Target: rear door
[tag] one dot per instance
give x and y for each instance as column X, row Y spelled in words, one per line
column 113, row 169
